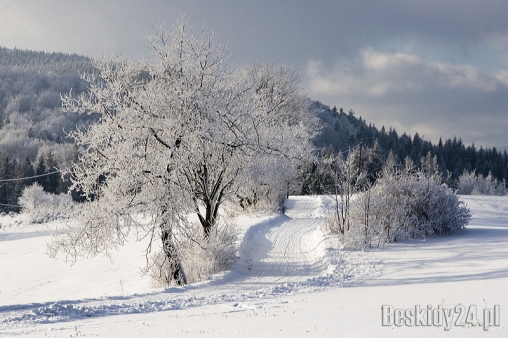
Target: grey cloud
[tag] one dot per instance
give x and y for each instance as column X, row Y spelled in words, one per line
column 405, row 92
column 292, row 31
column 437, row 75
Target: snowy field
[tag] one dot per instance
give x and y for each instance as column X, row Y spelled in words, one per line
column 290, row 280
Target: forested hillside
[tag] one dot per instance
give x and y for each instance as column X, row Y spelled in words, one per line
column 343, row 131
column 33, row 128
column 58, row 63
column 33, row 131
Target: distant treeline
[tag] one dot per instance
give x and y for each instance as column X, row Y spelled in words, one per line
column 58, row 63
column 44, row 171
column 343, row 131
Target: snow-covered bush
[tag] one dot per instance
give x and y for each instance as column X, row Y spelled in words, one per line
column 416, row 206
column 403, row 206
column 199, row 256
column 259, row 196
column 472, row 184
column 38, row 206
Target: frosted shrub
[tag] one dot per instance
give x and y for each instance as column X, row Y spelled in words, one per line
column 404, row 206
column 471, row 184
column 266, row 188
column 200, row 257
column 467, row 182
column 161, row 269
column 38, row 206
column 415, row 206
column 208, row 256
column 362, row 231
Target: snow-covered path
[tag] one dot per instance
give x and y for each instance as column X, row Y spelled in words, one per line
column 279, row 255
column 289, row 248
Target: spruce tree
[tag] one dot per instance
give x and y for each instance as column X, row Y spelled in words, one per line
column 23, row 169
column 6, row 186
column 40, row 171
column 53, row 179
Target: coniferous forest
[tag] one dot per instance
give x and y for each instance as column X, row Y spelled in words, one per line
column 343, row 131
column 34, row 142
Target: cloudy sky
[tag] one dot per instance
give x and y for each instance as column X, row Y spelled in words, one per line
column 439, row 68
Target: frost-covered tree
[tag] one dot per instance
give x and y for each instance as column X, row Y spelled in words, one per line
column 390, row 165
column 38, row 206
column 342, row 180
column 6, row 186
column 178, row 135
column 470, row 183
column 429, row 165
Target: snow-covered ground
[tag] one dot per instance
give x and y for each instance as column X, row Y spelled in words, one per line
column 290, row 280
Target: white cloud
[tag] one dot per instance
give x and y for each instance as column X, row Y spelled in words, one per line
column 379, row 74
column 380, row 61
column 461, row 76
column 502, row 77
column 375, row 74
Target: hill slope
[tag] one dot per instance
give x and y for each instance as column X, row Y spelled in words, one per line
column 343, row 131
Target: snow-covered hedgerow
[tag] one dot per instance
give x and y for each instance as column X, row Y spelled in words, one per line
column 38, row 206
column 472, row 184
column 403, row 206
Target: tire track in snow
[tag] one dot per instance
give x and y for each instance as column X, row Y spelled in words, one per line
column 292, row 251
column 288, row 248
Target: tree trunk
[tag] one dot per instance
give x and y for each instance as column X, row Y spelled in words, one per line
column 208, row 220
column 170, row 250
column 212, row 201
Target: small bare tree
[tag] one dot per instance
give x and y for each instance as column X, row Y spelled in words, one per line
column 344, row 179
